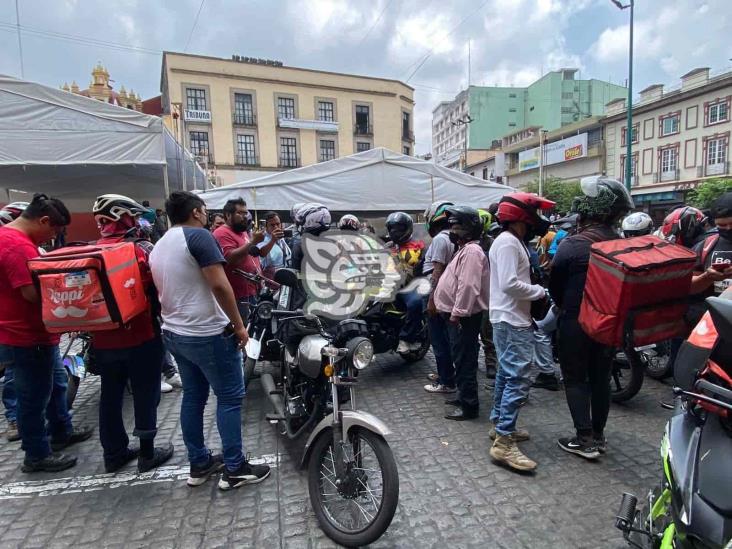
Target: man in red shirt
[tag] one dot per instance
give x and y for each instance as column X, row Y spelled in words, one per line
column 237, row 247
column 26, row 346
column 132, row 353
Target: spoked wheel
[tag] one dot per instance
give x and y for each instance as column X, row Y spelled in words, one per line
column 414, row 356
column 658, row 365
column 355, row 508
column 627, row 375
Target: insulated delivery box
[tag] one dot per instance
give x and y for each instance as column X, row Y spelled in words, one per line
column 89, row 288
column 643, row 281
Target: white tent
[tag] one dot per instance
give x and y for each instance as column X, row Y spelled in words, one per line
column 76, row 148
column 377, row 180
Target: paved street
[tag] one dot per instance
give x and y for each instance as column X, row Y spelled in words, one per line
column 451, row 493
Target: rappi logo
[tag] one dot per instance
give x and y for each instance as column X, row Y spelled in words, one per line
column 67, row 296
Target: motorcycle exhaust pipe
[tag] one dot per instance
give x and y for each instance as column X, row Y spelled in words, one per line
column 275, row 396
column 626, row 514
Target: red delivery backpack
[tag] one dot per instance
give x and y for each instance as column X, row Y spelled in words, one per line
column 89, row 288
column 636, row 283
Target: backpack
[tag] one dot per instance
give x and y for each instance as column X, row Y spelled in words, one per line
column 89, row 288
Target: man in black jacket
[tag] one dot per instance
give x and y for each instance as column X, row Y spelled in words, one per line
column 586, row 364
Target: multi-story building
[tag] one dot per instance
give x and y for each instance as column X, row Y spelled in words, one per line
column 679, row 137
column 101, row 89
column 480, row 116
column 243, row 117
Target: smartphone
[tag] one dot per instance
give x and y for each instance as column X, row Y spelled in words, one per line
column 288, row 233
column 262, row 224
column 721, row 266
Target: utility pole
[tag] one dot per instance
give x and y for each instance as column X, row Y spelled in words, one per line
column 464, row 121
column 629, row 123
column 541, row 162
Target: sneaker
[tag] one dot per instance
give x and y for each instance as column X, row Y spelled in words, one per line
column 576, row 445
column 51, row 464
column 433, row 377
column 160, row 456
column 439, row 388
column 114, row 465
column 600, row 442
column 546, row 381
column 174, row 381
column 166, row 387
column 199, row 475
column 504, row 450
column 12, row 434
column 245, row 474
column 519, row 435
column 403, row 347
column 415, row 346
column 78, row 434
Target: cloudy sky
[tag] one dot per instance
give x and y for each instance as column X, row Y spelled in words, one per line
column 423, row 42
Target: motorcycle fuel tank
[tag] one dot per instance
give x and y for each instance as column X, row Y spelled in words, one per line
column 309, row 359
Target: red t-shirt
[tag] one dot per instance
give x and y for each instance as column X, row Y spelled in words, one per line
column 230, row 241
column 140, row 329
column 21, row 322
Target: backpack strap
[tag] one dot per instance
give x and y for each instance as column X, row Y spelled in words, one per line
column 709, row 245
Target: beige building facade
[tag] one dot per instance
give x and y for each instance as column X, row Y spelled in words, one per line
column 680, row 137
column 245, row 117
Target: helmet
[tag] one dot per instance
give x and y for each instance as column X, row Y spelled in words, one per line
column 637, row 224
column 486, row 220
column 294, row 210
column 468, row 219
column 313, row 218
column 399, row 225
column 567, row 223
column 683, row 226
column 603, row 199
column 349, row 223
column 525, row 207
column 436, row 213
column 12, row 211
column 721, row 207
column 114, row 206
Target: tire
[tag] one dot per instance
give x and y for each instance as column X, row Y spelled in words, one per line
column 414, row 356
column 660, row 366
column 627, row 376
column 72, row 390
column 390, row 489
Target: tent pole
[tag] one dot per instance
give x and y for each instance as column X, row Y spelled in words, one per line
column 256, row 216
column 165, row 181
column 432, row 185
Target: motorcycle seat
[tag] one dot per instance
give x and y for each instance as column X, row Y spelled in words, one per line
column 715, row 474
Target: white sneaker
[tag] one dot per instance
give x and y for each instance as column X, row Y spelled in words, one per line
column 165, row 387
column 416, row 346
column 403, row 347
column 439, row 388
column 175, row 381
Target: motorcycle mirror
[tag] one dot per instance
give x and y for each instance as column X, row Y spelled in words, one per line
column 721, row 310
column 286, row 277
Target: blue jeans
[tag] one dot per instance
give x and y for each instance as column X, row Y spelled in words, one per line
column 211, row 362
column 413, row 304
column 10, row 399
column 441, row 348
column 515, row 350
column 41, row 382
column 543, row 352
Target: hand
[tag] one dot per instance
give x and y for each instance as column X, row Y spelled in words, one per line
column 278, row 234
column 242, row 335
column 431, row 307
column 717, row 276
column 454, row 320
column 257, row 236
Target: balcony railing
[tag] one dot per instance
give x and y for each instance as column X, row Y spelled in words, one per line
column 408, row 135
column 363, row 129
column 723, row 168
column 246, row 160
column 666, row 176
column 289, row 162
column 244, row 119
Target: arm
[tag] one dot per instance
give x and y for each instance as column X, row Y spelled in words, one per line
column 235, row 255
column 30, row 294
column 437, row 271
column 703, row 281
column 469, row 282
column 508, row 280
column 221, row 289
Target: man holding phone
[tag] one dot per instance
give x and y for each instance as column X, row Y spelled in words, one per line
column 273, row 250
column 714, row 269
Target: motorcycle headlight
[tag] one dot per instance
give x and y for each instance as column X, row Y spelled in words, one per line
column 361, row 352
column 264, row 310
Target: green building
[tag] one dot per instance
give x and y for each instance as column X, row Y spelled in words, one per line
column 553, row 101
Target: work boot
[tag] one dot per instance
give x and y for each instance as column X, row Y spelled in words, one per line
column 12, row 434
column 160, row 456
column 519, row 435
column 78, row 434
column 504, row 450
column 52, row 463
column 546, row 381
column 114, row 465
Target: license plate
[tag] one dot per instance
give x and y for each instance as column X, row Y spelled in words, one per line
column 284, row 299
column 253, row 348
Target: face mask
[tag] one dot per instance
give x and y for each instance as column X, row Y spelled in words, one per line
column 454, row 237
column 726, row 234
column 530, row 234
column 240, row 227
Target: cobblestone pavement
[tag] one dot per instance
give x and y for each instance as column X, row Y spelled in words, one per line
column 451, row 493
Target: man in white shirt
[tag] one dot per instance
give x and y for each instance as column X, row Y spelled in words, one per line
column 203, row 330
column 510, row 313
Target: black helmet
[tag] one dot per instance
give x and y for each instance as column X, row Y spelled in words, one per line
column 465, row 222
column 399, row 225
column 113, row 206
column 603, row 199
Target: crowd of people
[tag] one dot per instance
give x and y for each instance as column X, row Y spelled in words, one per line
column 507, row 278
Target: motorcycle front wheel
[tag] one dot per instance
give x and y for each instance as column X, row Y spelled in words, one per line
column 658, row 365
column 626, row 378
column 357, row 509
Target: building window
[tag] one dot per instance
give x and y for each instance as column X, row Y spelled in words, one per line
column 362, row 146
column 286, row 108
column 199, row 144
column 485, row 174
column 633, row 136
column 669, row 163
column 196, row 99
column 243, row 109
column 288, row 152
column 511, row 110
column 406, row 131
column 719, row 112
column 405, row 150
column 327, row 149
column 326, row 112
column 511, row 95
column 567, row 95
column 363, row 120
column 716, row 156
column 511, row 124
column 245, row 151
column 670, row 125
column 633, row 169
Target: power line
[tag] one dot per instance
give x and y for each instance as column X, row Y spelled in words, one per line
column 386, row 7
column 20, row 40
column 195, row 22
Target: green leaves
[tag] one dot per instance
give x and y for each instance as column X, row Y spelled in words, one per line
column 560, row 191
column 708, row 191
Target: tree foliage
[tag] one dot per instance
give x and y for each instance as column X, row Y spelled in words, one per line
column 708, row 191
column 560, row 191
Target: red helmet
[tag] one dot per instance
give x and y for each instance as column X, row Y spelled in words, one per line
column 522, row 207
column 683, row 225
column 12, row 211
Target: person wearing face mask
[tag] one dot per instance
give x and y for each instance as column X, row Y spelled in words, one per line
column 240, row 251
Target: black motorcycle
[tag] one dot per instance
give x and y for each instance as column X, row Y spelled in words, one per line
column 692, row 506
column 385, row 322
column 352, row 476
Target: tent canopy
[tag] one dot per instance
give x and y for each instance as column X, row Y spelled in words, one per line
column 377, row 180
column 77, row 148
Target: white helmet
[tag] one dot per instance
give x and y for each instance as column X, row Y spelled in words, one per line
column 114, row 206
column 312, row 218
column 349, row 222
column 637, row 224
column 12, row 211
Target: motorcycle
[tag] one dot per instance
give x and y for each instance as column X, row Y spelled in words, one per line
column 78, row 360
column 384, row 322
column 352, row 475
column 691, row 507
